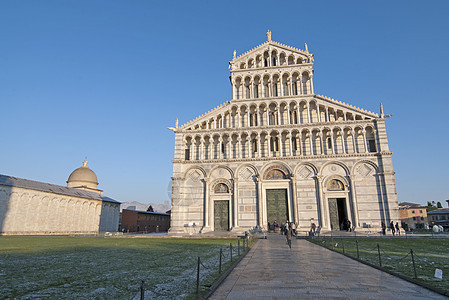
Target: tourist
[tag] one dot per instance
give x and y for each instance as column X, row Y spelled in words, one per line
column 384, row 228
column 293, row 226
column 313, row 228
column 288, row 236
column 397, row 228
column 269, row 226
column 392, row 227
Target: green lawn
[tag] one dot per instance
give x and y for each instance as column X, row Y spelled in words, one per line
column 429, row 254
column 96, row 267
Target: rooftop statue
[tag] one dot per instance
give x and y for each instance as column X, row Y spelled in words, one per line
column 269, row 35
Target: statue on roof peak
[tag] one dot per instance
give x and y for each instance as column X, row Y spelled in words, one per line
column 268, row 35
column 234, row 55
column 306, row 48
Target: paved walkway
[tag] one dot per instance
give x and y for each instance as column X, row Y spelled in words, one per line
column 272, row 271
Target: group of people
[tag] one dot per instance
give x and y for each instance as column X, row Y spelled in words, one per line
column 288, row 229
column 393, row 227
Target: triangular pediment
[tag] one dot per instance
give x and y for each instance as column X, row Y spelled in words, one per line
column 270, row 46
column 320, row 100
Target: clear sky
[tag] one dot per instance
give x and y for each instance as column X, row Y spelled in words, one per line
column 104, row 79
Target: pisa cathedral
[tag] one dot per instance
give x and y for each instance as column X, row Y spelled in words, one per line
column 278, row 151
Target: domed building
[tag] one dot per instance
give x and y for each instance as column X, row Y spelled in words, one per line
column 30, row 207
column 83, row 178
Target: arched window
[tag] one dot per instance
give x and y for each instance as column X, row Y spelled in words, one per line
column 254, row 145
column 286, row 93
column 294, row 144
column 274, row 144
column 256, row 89
column 305, row 83
column 275, row 89
column 248, row 91
column 187, row 153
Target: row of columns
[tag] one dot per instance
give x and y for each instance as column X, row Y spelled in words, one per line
column 261, row 120
column 252, row 147
column 301, row 85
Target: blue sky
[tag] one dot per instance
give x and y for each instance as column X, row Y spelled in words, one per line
column 104, row 79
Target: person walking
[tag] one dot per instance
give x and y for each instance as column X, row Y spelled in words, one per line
column 293, row 226
column 288, row 236
column 397, row 228
column 392, row 227
column 384, row 228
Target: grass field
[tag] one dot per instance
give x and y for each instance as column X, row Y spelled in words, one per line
column 96, row 267
column 428, row 253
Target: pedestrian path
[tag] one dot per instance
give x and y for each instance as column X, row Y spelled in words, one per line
column 272, row 271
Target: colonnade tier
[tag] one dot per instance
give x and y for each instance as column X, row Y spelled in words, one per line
column 277, row 84
column 285, row 112
column 282, row 143
column 272, row 58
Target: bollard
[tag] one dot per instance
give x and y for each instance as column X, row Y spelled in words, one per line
column 413, row 261
column 238, row 247
column 142, row 290
column 230, row 250
column 198, row 277
column 343, row 247
column 378, row 251
column 219, row 264
column 357, row 245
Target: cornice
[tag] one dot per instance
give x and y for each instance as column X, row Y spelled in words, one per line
column 300, row 158
column 248, row 70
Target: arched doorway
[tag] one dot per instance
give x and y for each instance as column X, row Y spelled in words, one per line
column 276, row 192
column 337, row 204
column 221, row 200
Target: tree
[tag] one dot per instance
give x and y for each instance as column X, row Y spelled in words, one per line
column 150, row 208
column 439, row 205
column 430, row 207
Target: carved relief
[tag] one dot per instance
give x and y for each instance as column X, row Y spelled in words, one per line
column 246, row 174
column 305, row 172
column 364, row 170
column 194, row 176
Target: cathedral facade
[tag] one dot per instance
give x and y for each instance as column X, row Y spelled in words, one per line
column 277, row 151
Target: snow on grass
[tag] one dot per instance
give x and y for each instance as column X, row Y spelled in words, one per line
column 429, row 254
column 92, row 267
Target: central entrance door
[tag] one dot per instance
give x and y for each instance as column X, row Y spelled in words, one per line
column 337, row 212
column 221, row 215
column 277, row 209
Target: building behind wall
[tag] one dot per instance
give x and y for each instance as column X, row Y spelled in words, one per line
column 413, row 216
column 279, row 151
column 144, row 221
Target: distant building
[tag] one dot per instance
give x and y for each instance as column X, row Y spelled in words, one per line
column 413, row 216
column 439, row 216
column 30, row 207
column 144, row 221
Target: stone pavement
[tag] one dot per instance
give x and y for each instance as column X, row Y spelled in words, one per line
column 272, row 271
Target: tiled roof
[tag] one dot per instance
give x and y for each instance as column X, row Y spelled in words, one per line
column 439, row 211
column 51, row 188
column 147, row 212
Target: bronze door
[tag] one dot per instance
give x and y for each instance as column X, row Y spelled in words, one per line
column 221, row 215
column 277, row 209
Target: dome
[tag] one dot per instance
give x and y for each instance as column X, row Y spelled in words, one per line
column 83, row 177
